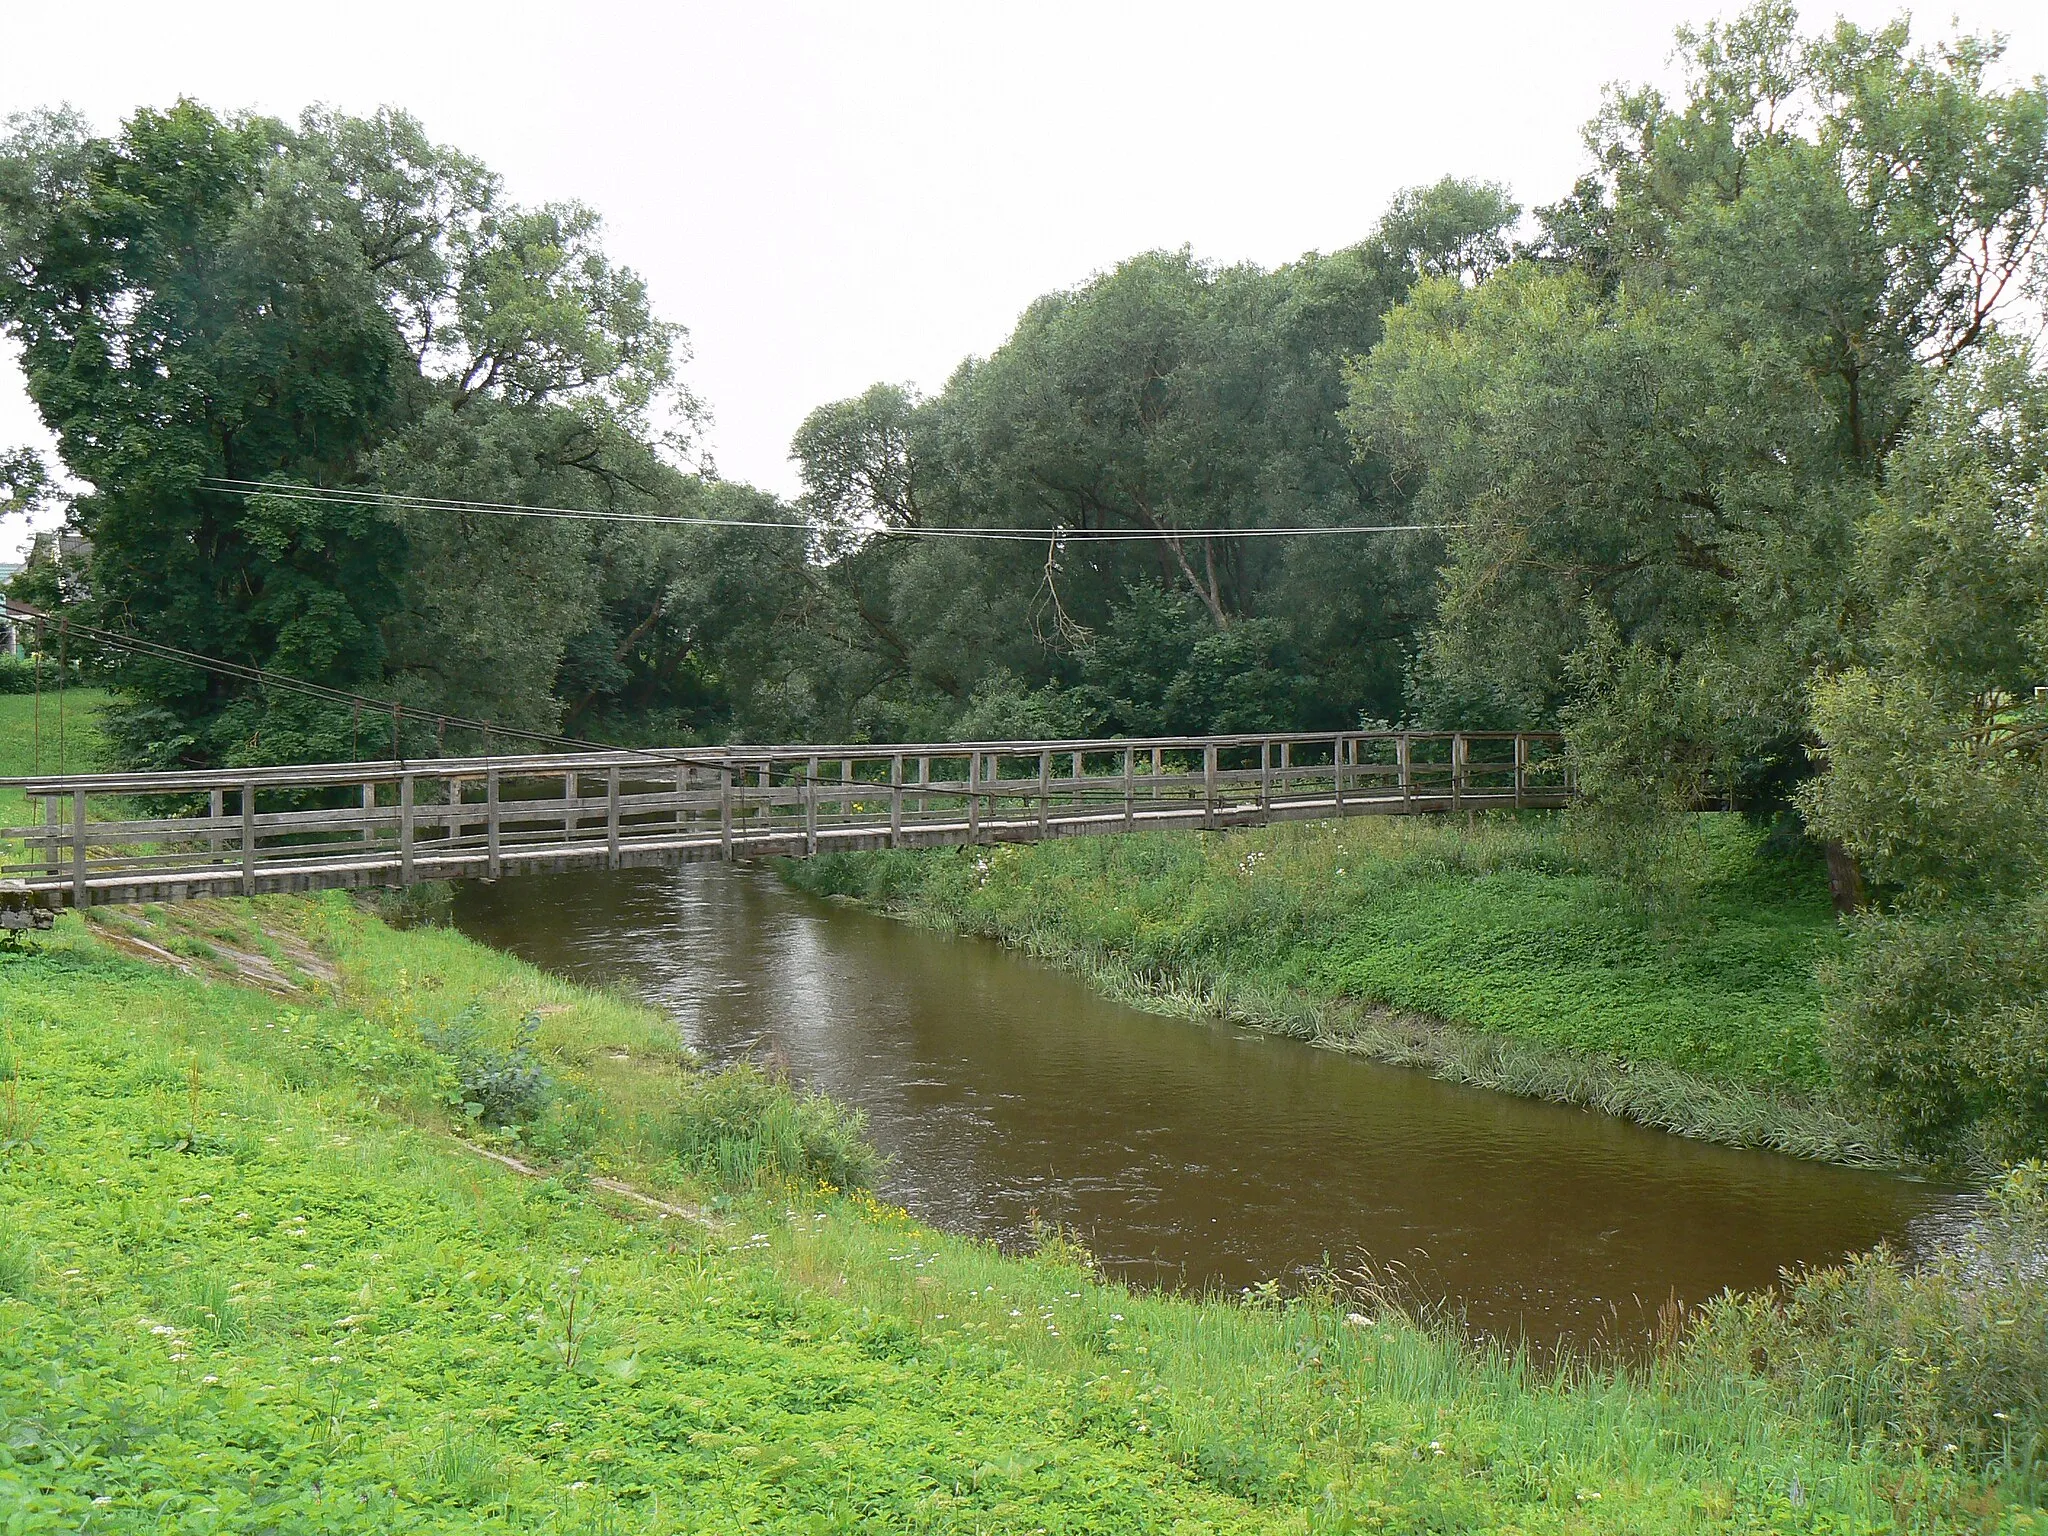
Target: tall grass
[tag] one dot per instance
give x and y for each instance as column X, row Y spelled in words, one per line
column 743, row 1126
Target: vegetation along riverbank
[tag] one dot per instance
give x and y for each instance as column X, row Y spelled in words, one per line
column 256, row 1275
column 1505, row 952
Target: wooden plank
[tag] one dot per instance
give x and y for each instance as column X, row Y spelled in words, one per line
column 896, row 800
column 405, row 798
column 493, row 829
column 79, row 895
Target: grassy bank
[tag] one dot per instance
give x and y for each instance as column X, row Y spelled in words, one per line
column 255, row 1275
column 1498, row 954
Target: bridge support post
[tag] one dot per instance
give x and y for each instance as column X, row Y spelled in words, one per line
column 50, row 814
column 81, row 898
column 1457, row 773
column 1521, row 766
column 1130, row 788
column 404, row 828
column 1337, row 771
column 1265, row 778
column 491, row 814
column 1402, row 759
column 216, row 813
column 1209, row 786
column 725, row 812
column 1044, row 792
column 895, row 799
column 974, row 796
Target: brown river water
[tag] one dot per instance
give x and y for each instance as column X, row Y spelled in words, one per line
column 1198, row 1156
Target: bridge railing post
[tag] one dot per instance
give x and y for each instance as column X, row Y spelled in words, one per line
column 725, row 811
column 1521, row 766
column 1457, row 772
column 1130, row 789
column 492, row 812
column 80, row 896
column 1337, row 771
column 811, row 806
column 895, row 799
column 611, row 816
column 216, row 813
column 404, row 825
column 1044, row 791
column 1265, row 777
column 1402, row 759
column 1209, row 785
column 51, row 811
column 974, row 796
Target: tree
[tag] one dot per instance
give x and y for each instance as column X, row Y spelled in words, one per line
column 1674, row 412
column 342, row 303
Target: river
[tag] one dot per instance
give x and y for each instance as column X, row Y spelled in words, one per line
column 1192, row 1155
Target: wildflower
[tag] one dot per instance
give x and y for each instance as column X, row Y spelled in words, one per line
column 209, row 1381
column 103, row 1501
column 309, row 1266
column 164, row 1331
column 73, row 1274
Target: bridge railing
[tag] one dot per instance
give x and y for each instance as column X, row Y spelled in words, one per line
column 168, row 836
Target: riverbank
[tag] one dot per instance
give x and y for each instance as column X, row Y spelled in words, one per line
column 253, row 1259
column 1498, row 954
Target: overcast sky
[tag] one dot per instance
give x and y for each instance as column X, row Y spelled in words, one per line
column 832, row 194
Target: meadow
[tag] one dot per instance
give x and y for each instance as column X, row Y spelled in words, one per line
column 261, row 1271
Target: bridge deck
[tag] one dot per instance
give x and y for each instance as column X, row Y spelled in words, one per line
column 111, row 838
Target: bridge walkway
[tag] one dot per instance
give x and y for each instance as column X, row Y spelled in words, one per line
column 148, row 837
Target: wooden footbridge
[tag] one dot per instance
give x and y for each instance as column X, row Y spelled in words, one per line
column 142, row 837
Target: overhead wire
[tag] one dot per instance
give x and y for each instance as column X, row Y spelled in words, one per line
column 350, row 496
column 263, row 677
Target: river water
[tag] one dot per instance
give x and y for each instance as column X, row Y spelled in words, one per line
column 1190, row 1155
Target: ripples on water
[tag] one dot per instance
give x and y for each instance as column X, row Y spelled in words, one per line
column 1192, row 1155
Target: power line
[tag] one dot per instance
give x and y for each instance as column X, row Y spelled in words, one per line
column 344, row 496
column 284, row 682
column 263, row 677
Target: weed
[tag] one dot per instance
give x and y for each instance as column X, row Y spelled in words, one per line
column 743, row 1126
column 464, row 1469
column 20, row 1265
column 496, row 1087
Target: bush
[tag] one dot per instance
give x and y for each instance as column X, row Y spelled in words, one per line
column 20, row 675
column 1937, row 1023
column 1950, row 1360
column 742, row 1126
column 497, row 1087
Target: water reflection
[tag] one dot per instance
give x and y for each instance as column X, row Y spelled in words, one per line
column 1202, row 1156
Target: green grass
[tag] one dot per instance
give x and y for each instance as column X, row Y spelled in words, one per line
column 1699, row 1011
column 31, row 746
column 252, row 1282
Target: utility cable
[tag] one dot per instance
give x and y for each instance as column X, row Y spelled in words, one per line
column 263, row 677
column 344, row 496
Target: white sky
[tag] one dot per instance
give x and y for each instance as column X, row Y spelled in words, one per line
column 832, row 194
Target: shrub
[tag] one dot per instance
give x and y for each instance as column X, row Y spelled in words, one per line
column 1936, row 1023
column 1950, row 1360
column 498, row 1087
column 742, row 1125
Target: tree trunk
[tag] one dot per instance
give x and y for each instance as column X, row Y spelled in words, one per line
column 1845, row 880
